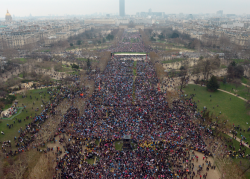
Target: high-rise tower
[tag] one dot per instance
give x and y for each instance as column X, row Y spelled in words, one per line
column 122, row 8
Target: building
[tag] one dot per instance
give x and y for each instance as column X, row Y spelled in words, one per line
column 122, row 8
column 219, row 13
column 100, row 21
column 8, row 17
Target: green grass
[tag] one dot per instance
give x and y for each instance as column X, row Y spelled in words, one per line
column 10, row 133
column 240, row 90
column 245, row 162
column 239, row 61
column 65, row 69
column 97, row 142
column 44, row 50
column 118, row 145
column 20, row 75
column 73, row 73
column 7, row 106
column 90, row 161
column 134, row 68
column 223, row 66
column 23, row 60
column 174, row 60
column 235, row 109
column 244, row 80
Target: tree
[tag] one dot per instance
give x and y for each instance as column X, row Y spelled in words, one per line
column 213, row 84
column 184, row 77
column 174, row 35
column 239, row 71
column 103, row 40
column 236, row 82
column 58, row 67
column 161, row 36
column 71, row 44
column 152, row 39
column 233, row 63
column 46, row 79
column 88, row 64
column 79, row 42
column 235, row 71
column 110, row 37
column 75, row 66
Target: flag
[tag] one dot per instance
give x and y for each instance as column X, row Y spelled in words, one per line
column 159, row 87
column 99, row 87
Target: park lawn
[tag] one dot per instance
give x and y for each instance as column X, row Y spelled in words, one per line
column 134, row 68
column 118, row 145
column 97, row 142
column 235, row 109
column 245, row 80
column 223, row 66
column 90, row 161
column 20, row 75
column 7, row 106
column 239, row 61
column 173, row 61
column 245, row 162
column 11, row 133
column 240, row 90
column 65, row 69
column 23, row 60
column 236, row 144
column 73, row 73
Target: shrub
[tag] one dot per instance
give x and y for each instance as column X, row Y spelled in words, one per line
column 213, row 84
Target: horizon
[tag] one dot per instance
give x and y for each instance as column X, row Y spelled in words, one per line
column 85, row 7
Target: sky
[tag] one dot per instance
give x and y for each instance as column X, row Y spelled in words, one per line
column 83, row 7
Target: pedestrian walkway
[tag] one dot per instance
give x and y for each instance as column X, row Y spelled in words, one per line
column 222, row 91
column 239, row 140
column 245, row 85
column 232, row 94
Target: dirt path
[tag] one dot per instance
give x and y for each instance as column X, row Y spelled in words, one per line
column 245, row 85
column 232, row 94
column 223, row 91
column 238, row 139
column 211, row 174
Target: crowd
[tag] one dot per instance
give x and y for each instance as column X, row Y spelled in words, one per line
column 126, row 103
column 29, row 133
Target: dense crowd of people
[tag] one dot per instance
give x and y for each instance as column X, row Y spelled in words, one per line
column 127, row 102
column 28, row 134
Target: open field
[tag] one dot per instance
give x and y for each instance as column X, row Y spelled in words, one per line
column 234, row 109
column 241, row 90
column 118, row 145
column 11, row 133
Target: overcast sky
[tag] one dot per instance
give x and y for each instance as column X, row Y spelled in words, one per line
column 81, row 7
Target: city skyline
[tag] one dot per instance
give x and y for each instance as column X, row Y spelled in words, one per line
column 85, row 7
